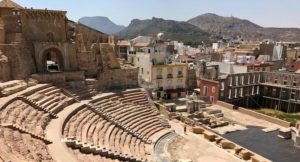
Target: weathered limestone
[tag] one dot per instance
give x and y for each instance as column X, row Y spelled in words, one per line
column 12, row 87
column 197, row 130
column 285, row 133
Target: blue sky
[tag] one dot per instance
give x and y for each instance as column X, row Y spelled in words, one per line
column 267, row 13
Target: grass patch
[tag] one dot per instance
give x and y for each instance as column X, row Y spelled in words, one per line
column 289, row 117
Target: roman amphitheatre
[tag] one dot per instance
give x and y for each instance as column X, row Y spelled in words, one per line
column 66, row 96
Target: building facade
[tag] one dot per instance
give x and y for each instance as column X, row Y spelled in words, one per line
column 277, row 90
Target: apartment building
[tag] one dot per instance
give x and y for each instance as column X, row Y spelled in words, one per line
column 167, row 79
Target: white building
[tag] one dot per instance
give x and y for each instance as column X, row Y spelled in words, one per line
column 168, row 80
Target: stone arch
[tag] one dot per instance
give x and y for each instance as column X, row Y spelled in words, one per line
column 52, row 60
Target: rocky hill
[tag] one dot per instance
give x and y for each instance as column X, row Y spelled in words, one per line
column 232, row 27
column 173, row 30
column 102, row 24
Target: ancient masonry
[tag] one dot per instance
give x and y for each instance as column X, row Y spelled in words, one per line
column 46, row 46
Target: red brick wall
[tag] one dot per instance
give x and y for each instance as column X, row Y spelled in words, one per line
column 212, row 89
column 294, row 66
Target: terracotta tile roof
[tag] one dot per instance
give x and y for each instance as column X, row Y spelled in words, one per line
column 124, row 43
column 9, row 4
column 185, row 58
column 141, row 44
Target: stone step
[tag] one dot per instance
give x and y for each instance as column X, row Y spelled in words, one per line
column 23, row 130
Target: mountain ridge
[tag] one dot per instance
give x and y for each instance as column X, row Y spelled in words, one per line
column 233, row 27
column 101, row 23
column 174, row 30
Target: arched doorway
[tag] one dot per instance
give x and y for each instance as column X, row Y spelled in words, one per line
column 53, row 60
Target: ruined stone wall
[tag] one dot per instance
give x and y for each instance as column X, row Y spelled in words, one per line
column 109, row 56
column 43, row 25
column 118, row 78
column 20, row 60
column 88, row 63
column 4, row 68
column 59, row 77
column 11, row 20
column 191, row 79
column 86, row 36
column 88, row 48
column 2, row 33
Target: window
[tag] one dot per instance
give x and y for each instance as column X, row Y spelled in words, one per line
column 235, row 93
column 285, row 81
column 205, row 93
column 274, row 92
column 241, row 92
column 213, row 89
column 142, row 70
column 293, row 94
column 222, row 86
column 242, row 80
column 236, row 80
column 295, row 83
column 222, row 94
column 229, row 94
column 123, row 50
column 230, row 81
column 179, row 72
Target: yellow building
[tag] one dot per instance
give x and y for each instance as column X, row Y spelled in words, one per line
column 169, row 81
column 166, row 79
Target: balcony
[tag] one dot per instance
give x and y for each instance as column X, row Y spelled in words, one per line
column 170, row 76
column 179, row 75
column 159, row 77
column 169, row 88
column 180, row 87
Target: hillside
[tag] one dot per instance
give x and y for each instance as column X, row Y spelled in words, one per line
column 232, row 27
column 102, row 24
column 173, row 30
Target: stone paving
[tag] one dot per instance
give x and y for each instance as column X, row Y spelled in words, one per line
column 193, row 147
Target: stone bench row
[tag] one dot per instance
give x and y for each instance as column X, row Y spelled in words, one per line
column 23, row 130
column 91, row 128
column 22, row 146
column 118, row 123
column 102, row 151
column 133, row 116
column 36, row 105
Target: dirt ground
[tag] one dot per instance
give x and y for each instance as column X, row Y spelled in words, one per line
column 245, row 120
column 194, row 147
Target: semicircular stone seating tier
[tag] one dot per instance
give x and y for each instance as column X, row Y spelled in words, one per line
column 22, row 132
column 108, row 128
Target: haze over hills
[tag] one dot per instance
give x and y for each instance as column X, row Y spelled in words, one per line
column 197, row 29
column 173, row 30
column 102, row 24
column 232, row 27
